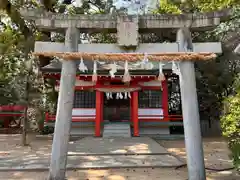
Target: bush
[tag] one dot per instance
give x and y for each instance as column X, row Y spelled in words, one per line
column 230, row 123
column 47, row 130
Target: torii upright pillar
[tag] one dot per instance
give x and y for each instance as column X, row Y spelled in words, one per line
column 64, row 110
column 191, row 121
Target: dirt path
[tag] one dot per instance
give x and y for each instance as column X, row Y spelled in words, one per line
column 216, row 156
column 120, row 174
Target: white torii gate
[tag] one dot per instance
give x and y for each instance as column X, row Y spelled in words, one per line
column 73, row 24
column 187, row 84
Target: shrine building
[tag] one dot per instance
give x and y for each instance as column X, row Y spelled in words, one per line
column 143, row 101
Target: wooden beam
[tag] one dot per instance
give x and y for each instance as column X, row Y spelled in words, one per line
column 211, row 47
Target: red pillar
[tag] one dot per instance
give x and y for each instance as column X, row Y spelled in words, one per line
column 165, row 100
column 98, row 118
column 131, row 110
column 102, row 106
column 135, row 113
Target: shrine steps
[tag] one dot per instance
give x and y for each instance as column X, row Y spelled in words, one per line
column 117, row 130
column 83, row 129
column 120, row 129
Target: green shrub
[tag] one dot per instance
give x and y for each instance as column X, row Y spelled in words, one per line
column 230, row 123
column 47, row 130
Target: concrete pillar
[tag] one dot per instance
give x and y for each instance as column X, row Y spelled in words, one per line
column 191, row 121
column 64, row 110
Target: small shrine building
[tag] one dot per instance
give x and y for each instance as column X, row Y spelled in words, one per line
column 111, row 101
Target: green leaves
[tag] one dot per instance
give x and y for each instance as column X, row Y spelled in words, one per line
column 215, row 78
column 230, row 123
column 168, row 7
column 191, row 6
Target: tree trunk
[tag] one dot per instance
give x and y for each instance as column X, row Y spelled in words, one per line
column 25, row 119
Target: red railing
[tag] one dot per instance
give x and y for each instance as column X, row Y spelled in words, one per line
column 11, row 110
column 158, row 118
column 82, row 118
column 7, row 112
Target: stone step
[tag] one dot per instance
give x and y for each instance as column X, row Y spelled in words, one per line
column 116, row 135
column 111, row 133
column 117, row 130
column 117, row 126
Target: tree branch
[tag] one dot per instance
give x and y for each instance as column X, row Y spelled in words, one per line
column 49, row 4
column 15, row 17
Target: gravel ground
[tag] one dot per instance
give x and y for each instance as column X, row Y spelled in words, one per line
column 215, row 149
